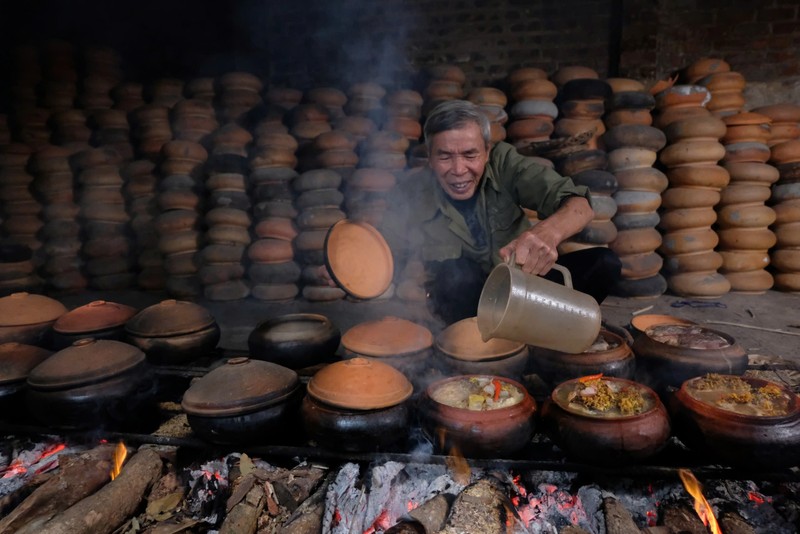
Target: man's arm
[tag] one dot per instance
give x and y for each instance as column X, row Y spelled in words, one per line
column 536, row 249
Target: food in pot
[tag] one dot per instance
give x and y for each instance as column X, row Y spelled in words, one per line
column 478, row 393
column 597, row 396
column 688, row 336
column 735, row 394
column 601, row 344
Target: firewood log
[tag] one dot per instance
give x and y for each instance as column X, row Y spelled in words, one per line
column 107, row 509
column 618, row 518
column 242, row 518
column 78, row 476
column 307, row 519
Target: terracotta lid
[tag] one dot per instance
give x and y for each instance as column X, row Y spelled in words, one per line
column 641, row 323
column 21, row 309
column 358, row 259
column 17, row 360
column 390, row 336
column 170, row 318
column 97, row 315
column 360, row 384
column 87, row 361
column 746, row 117
column 240, row 386
column 462, row 341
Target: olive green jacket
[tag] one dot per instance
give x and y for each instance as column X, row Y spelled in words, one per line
column 422, row 224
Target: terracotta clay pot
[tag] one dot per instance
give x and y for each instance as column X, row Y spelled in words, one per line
column 606, row 438
column 16, row 362
column 760, row 441
column 99, row 320
column 28, row 318
column 295, row 340
column 493, row 433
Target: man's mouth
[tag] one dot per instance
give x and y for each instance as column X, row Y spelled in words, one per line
column 461, row 187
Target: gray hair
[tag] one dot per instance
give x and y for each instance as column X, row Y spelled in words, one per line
column 453, row 115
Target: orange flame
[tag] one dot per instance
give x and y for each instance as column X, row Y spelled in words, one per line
column 701, row 505
column 455, row 461
column 120, row 453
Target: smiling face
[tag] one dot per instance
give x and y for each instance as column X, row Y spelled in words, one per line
column 457, row 158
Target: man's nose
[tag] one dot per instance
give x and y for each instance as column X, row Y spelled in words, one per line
column 459, row 166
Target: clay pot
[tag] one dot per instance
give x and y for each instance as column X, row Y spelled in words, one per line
column 295, row 340
column 28, row 318
column 243, row 401
column 640, row 323
column 662, row 364
column 173, row 332
column 99, row 320
column 760, row 441
column 357, row 405
column 16, row 361
column 92, row 382
column 493, row 433
column 607, row 439
column 609, row 355
column 460, row 350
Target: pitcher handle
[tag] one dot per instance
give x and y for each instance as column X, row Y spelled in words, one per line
column 560, row 268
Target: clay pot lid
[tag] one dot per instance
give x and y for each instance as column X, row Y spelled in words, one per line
column 170, row 318
column 97, row 315
column 641, row 323
column 462, row 341
column 360, row 384
column 22, row 309
column 240, row 386
column 87, row 361
column 358, row 258
column 17, row 360
column 390, row 336
column 562, row 393
column 746, row 117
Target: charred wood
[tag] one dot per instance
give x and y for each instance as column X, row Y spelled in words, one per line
column 115, row 502
column 572, row 529
column 242, row 518
column 682, row 518
column 481, row 507
column 307, row 519
column 618, row 518
column 407, row 527
column 78, row 476
column 432, row 513
column 733, row 523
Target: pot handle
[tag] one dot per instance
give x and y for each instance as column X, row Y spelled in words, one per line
column 560, row 268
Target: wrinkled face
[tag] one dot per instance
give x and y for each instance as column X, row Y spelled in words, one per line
column 457, row 158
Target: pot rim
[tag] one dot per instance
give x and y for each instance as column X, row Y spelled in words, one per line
column 445, row 408
column 645, row 389
column 732, row 344
column 318, row 319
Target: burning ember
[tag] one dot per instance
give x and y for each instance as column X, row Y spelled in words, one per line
column 120, row 453
column 701, row 505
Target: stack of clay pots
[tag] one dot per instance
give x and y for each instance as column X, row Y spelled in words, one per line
column 150, row 130
column 239, row 92
column 98, row 82
column 107, row 248
column 743, row 219
column 403, row 114
column 29, row 126
column 179, row 222
column 367, row 194
column 384, row 150
column 110, row 128
column 331, row 98
column 785, row 200
column 228, row 218
column 283, row 99
column 724, row 85
column 194, row 120
column 785, row 122
column 201, row 89
column 272, row 272
column 687, row 214
column 128, row 96
column 335, row 150
column 366, row 100
column 140, row 197
column 70, row 130
column 533, row 112
column 53, row 185
column 582, row 103
column 632, row 146
column 319, row 206
column 307, row 122
column 59, row 86
column 680, row 102
column 164, row 92
column 492, row 103
column 445, row 82
column 20, row 210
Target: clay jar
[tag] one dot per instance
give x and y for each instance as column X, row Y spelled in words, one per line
column 606, row 439
column 173, row 332
column 99, row 320
column 662, row 364
column 16, row 361
column 28, row 318
column 496, row 433
column 295, row 340
column 357, row 405
column 460, row 350
column 610, row 355
column 243, row 401
column 768, row 441
column 90, row 383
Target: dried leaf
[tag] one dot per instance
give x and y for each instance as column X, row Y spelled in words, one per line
column 245, row 464
column 184, row 525
column 162, row 508
column 239, row 492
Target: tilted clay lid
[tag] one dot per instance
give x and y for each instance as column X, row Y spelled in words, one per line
column 240, row 386
column 170, row 318
column 87, row 361
column 641, row 323
column 462, row 341
column 21, row 309
column 360, row 384
column 358, row 259
column 97, row 315
column 390, row 336
column 17, row 360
